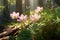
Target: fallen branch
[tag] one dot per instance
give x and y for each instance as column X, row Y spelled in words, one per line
column 5, row 38
column 8, row 32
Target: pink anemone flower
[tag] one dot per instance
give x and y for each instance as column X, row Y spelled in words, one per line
column 14, row 15
column 22, row 18
column 38, row 9
column 34, row 17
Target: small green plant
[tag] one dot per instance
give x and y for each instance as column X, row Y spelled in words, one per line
column 25, row 34
column 12, row 37
column 57, row 10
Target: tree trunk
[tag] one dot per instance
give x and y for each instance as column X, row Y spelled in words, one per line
column 19, row 6
column 40, row 2
column 6, row 10
column 57, row 2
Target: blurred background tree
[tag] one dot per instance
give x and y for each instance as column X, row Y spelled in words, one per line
column 19, row 6
column 58, row 2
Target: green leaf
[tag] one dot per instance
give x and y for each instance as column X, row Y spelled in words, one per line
column 12, row 37
column 24, row 35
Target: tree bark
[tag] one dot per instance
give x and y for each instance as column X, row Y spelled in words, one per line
column 57, row 2
column 6, row 10
column 19, row 6
column 40, row 2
